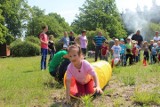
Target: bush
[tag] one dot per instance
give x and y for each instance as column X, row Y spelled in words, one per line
column 33, row 39
column 25, row 49
column 17, row 41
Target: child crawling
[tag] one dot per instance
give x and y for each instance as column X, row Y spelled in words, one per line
column 84, row 74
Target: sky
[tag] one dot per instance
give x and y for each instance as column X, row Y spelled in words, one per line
column 69, row 8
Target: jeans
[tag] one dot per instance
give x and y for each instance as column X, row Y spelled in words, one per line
column 123, row 59
column 51, row 55
column 97, row 52
column 43, row 58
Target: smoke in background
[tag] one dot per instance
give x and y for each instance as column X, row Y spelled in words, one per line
column 143, row 20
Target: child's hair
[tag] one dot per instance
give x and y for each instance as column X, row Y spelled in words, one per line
column 51, row 37
column 106, row 42
column 44, row 26
column 75, row 46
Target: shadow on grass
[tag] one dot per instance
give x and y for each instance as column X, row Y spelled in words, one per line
column 60, row 104
column 56, row 85
column 28, row 71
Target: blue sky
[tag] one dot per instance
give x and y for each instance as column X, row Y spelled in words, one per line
column 69, row 8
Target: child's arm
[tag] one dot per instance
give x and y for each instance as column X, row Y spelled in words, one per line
column 66, row 56
column 98, row 89
column 68, row 82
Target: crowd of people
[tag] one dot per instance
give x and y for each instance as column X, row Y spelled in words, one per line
column 72, row 57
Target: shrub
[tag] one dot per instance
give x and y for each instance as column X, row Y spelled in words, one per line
column 25, row 49
column 33, row 39
column 17, row 41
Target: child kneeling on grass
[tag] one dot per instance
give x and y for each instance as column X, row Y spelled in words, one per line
column 84, row 74
column 58, row 65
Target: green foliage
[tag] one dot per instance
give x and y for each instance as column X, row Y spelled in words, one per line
column 25, row 49
column 33, row 39
column 13, row 13
column 101, row 14
column 17, row 41
column 56, row 28
column 3, row 29
column 87, row 100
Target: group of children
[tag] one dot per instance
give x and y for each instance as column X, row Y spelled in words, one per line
column 71, row 61
column 131, row 50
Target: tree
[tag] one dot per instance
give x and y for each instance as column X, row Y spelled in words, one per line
column 55, row 22
column 3, row 29
column 101, row 14
column 13, row 13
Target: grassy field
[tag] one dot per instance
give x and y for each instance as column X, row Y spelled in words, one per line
column 23, row 84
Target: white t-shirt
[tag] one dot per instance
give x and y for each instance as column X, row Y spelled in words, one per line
column 116, row 51
column 156, row 38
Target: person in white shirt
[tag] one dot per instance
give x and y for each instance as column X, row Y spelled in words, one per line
column 156, row 38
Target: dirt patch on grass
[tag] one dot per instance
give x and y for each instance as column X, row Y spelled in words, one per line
column 116, row 94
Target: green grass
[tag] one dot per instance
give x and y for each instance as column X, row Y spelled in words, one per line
column 23, row 84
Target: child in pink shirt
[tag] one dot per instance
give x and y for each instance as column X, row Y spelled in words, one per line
column 83, row 72
column 44, row 46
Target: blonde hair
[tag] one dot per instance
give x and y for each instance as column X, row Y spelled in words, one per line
column 75, row 46
column 51, row 37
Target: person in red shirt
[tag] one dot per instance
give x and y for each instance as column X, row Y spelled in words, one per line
column 44, row 46
column 104, row 51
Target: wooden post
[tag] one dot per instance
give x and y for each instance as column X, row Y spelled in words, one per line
column 4, row 50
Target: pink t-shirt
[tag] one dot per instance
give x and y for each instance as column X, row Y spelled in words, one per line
column 82, row 75
column 44, row 37
column 83, row 41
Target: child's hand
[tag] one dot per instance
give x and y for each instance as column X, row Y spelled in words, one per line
column 99, row 90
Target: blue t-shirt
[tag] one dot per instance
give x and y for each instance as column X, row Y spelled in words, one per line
column 123, row 48
column 99, row 40
column 153, row 51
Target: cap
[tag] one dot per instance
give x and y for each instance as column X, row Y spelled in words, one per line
column 122, row 39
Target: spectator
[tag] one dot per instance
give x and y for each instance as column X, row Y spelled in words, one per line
column 44, row 46
column 83, row 42
column 71, row 38
column 98, row 41
column 65, row 40
column 137, row 37
column 51, row 47
column 156, row 38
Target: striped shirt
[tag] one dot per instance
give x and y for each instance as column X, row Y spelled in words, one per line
column 99, row 40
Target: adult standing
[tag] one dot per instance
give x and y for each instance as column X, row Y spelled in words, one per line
column 71, row 37
column 156, row 38
column 44, row 46
column 98, row 41
column 83, row 42
column 65, row 40
column 138, row 37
